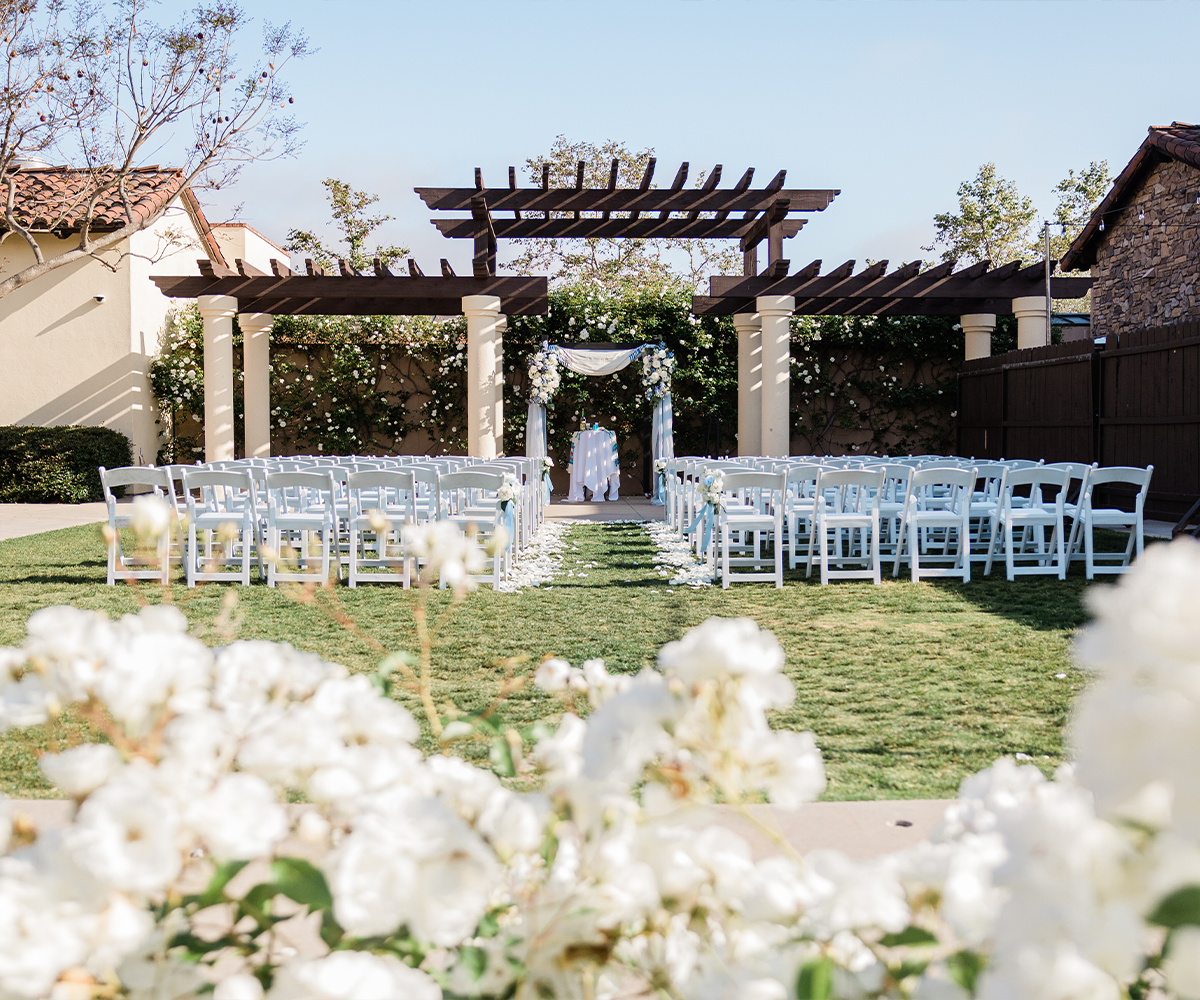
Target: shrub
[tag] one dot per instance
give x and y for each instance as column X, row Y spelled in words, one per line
column 58, row 464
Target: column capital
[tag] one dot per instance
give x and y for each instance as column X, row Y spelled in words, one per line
column 216, row 306
column 255, row 322
column 487, row 306
column 775, row 305
column 747, row 322
column 1030, row 306
column 980, row 322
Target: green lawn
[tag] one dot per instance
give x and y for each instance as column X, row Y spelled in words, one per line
column 908, row 687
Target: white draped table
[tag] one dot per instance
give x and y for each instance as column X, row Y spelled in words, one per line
column 594, row 465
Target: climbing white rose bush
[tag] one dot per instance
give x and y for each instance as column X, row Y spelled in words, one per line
column 184, row 868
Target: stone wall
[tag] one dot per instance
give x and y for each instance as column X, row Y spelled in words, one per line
column 1147, row 271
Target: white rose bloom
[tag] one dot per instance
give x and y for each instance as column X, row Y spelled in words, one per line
column 126, row 834
column 552, row 675
column 40, row 935
column 735, row 647
column 1182, row 965
column 363, row 714
column 249, row 675
column 197, row 749
column 151, row 517
column 81, row 770
column 239, row 819
column 464, row 788
column 787, row 765
column 71, row 645
column 239, row 986
column 845, row 895
column 291, row 744
column 352, row 975
column 514, row 824
column 25, row 703
column 411, row 862
column 625, row 733
column 561, row 755
column 153, row 672
column 118, row 931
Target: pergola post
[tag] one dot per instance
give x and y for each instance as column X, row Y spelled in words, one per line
column 776, row 312
column 256, row 384
column 977, row 335
column 483, row 316
column 750, row 405
column 498, row 418
column 1030, row 311
column 217, row 312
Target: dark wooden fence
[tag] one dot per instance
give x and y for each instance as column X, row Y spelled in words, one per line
column 1128, row 401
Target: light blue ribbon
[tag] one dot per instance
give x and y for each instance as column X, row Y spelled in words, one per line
column 546, row 483
column 708, row 516
column 508, row 512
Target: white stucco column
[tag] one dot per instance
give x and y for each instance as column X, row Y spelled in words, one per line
column 217, row 312
column 498, row 412
column 256, row 385
column 749, row 425
column 483, row 315
column 977, row 334
column 776, row 312
column 1030, row 311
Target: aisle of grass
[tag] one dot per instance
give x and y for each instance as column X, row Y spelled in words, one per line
column 909, row 687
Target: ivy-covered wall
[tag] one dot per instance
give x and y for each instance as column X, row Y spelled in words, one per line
column 368, row 385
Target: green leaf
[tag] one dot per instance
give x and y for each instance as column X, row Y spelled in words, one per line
column 1180, row 907
column 910, row 935
column 331, row 930
column 302, row 882
column 501, row 757
column 815, row 981
column 475, row 960
column 908, row 968
column 488, row 926
column 215, row 892
column 964, row 968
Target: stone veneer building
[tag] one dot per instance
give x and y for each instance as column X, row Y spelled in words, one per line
column 1142, row 242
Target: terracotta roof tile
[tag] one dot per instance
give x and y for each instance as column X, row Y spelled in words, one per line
column 57, row 197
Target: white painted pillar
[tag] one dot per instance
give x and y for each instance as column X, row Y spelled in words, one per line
column 776, row 312
column 977, row 334
column 1030, row 311
column 483, row 315
column 256, row 384
column 498, row 413
column 217, row 312
column 749, row 425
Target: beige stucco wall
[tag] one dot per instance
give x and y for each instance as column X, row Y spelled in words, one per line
column 236, row 240
column 69, row 359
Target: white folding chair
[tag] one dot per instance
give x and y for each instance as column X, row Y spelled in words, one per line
column 468, row 499
column 119, row 564
column 1032, row 514
column 375, row 494
column 756, row 506
column 227, row 512
column 302, row 506
column 1091, row 516
column 923, row 526
column 847, row 501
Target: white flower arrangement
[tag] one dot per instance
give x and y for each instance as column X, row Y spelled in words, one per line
column 658, row 364
column 544, row 376
column 509, row 491
column 547, row 465
column 711, row 490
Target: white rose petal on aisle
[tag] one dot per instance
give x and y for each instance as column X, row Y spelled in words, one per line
column 675, row 558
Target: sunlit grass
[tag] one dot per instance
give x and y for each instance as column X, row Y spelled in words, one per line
column 908, row 687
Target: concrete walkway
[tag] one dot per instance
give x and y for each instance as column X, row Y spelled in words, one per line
column 631, row 508
column 19, row 519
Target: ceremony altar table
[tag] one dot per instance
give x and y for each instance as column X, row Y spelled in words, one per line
column 594, row 465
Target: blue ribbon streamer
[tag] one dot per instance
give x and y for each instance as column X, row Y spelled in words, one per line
column 707, row 516
column 508, row 512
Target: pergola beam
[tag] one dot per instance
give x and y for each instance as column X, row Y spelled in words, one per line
column 612, row 228
column 629, row 199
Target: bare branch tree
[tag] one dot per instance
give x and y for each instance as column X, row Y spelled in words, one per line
column 105, row 94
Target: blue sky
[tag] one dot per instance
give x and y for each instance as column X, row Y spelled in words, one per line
column 894, row 103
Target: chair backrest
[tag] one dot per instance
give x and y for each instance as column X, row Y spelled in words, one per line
column 300, row 491
column 159, row 480
column 1035, row 478
column 735, row 481
column 1126, row 474
column 229, row 491
column 383, row 489
column 854, row 489
column 956, row 485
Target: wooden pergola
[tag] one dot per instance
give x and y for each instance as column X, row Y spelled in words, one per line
column 256, row 298
column 642, row 212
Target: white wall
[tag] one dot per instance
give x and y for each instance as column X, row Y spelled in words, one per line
column 239, row 240
column 71, row 360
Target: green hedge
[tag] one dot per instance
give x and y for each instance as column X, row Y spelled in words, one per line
column 58, row 464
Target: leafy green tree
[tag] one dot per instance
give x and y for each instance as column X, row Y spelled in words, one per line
column 348, row 208
column 1078, row 195
column 994, row 222
column 608, row 264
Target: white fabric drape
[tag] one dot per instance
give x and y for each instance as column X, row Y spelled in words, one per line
column 535, row 431
column 589, row 362
column 662, row 442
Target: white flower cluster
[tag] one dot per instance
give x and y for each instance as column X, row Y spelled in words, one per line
column 509, row 490
column 711, row 489
column 544, row 376
column 424, row 875
column 658, row 365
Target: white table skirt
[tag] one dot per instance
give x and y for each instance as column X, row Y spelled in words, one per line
column 594, row 465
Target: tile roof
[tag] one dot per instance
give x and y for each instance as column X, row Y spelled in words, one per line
column 57, row 197
column 1177, row 141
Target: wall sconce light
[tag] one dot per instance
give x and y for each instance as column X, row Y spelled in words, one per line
column 98, row 298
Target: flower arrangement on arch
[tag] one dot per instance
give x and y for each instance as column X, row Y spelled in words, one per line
column 658, row 364
column 544, row 377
